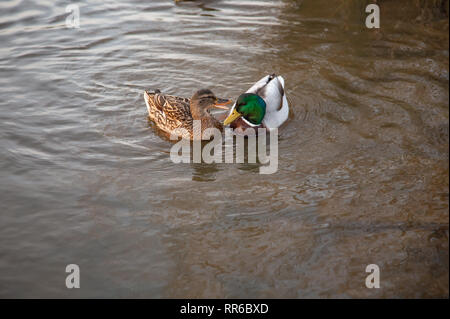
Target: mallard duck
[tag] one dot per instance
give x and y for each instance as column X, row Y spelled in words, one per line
column 264, row 105
column 175, row 115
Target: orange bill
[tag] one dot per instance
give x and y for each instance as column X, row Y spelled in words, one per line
column 220, row 104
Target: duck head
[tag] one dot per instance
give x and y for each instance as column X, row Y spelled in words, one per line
column 250, row 106
column 203, row 100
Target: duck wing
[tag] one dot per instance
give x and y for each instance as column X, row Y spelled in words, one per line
column 167, row 111
column 277, row 107
column 258, row 86
column 272, row 92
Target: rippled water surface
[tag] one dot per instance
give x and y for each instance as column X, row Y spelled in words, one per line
column 363, row 159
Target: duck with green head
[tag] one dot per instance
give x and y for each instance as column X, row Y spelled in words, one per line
column 264, row 105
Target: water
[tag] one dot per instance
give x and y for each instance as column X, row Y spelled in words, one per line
column 363, row 171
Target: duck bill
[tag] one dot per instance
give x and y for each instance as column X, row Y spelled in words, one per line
column 220, row 104
column 232, row 117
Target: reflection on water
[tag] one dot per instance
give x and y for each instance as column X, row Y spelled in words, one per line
column 204, row 173
column 363, row 160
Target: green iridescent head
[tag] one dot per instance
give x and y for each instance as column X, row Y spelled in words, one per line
column 250, row 106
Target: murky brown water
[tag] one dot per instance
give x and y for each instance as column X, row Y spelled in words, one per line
column 363, row 172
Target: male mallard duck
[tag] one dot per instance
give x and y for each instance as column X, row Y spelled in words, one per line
column 172, row 114
column 264, row 105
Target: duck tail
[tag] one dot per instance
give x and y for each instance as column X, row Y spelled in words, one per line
column 154, row 101
column 149, row 101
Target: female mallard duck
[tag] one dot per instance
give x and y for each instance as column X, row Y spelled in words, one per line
column 264, row 105
column 176, row 115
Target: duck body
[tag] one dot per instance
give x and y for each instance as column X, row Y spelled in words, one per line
column 271, row 89
column 175, row 115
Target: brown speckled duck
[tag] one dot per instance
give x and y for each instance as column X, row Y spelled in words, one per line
column 176, row 115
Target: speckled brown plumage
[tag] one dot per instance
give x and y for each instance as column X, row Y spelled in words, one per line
column 172, row 114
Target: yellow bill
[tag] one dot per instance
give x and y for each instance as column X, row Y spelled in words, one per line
column 233, row 116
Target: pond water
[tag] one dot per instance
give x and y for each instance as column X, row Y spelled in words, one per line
column 363, row 171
